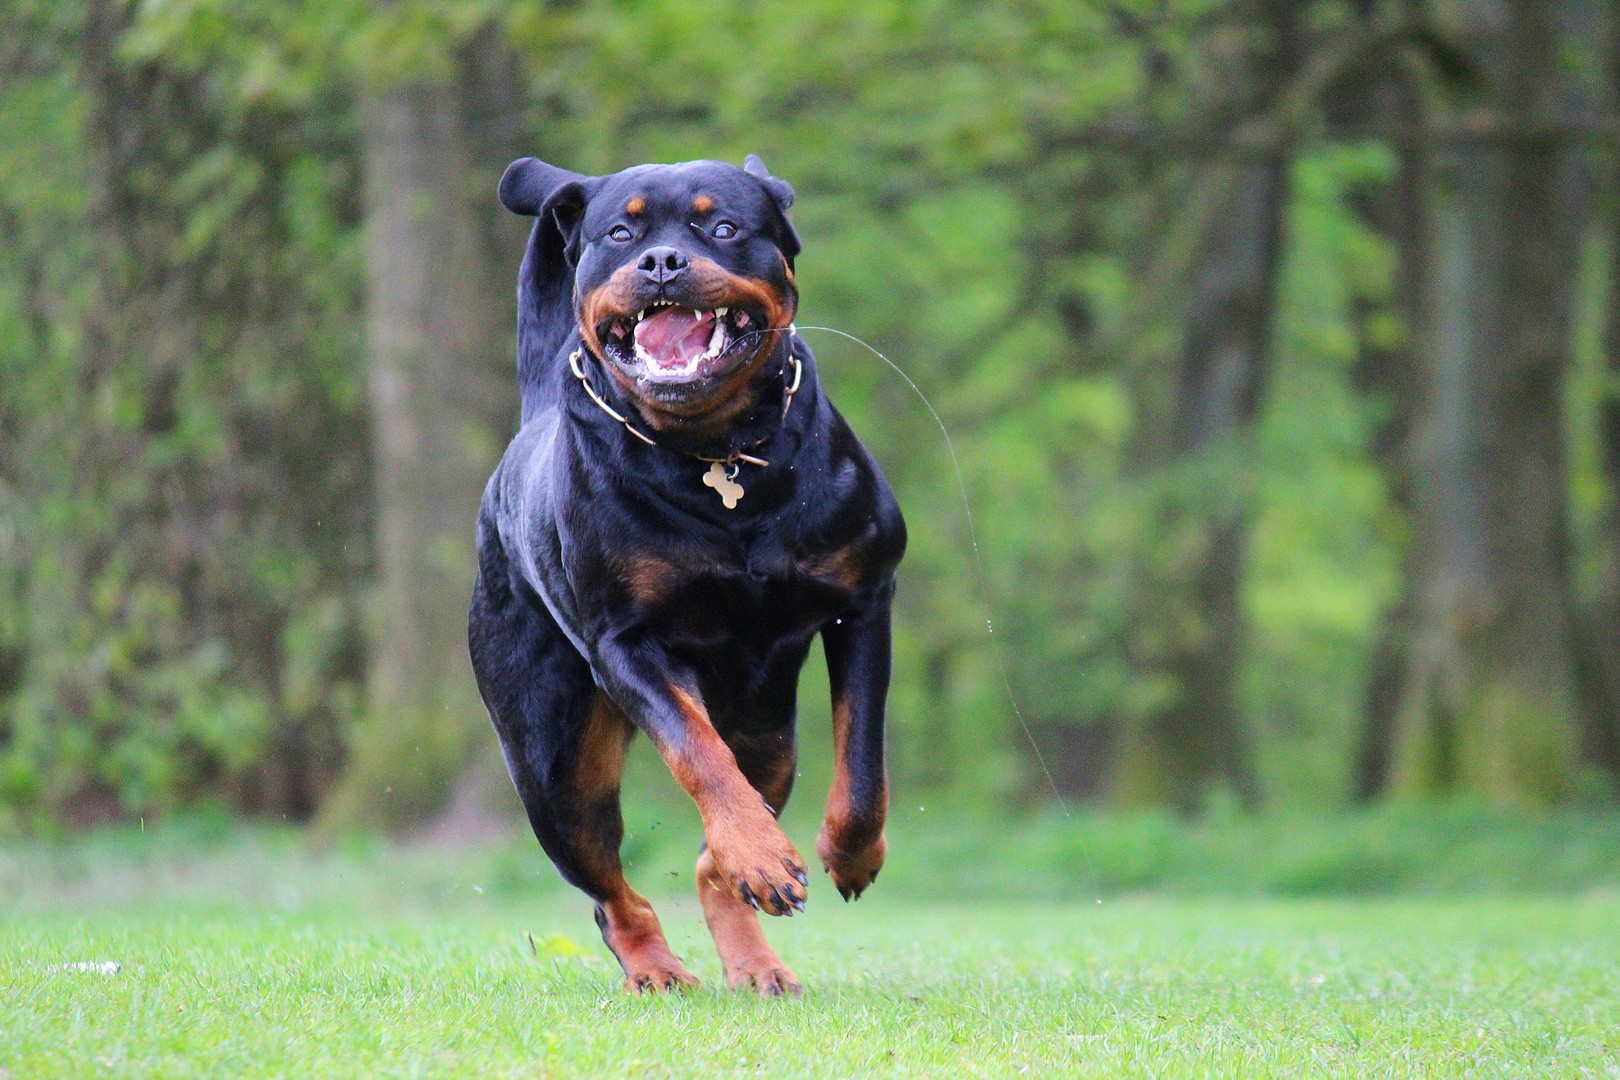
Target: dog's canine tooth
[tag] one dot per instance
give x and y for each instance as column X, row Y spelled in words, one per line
column 720, row 312
column 640, row 313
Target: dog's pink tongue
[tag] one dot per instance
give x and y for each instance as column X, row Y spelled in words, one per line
column 674, row 334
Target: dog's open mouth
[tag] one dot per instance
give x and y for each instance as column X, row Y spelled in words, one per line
column 671, row 343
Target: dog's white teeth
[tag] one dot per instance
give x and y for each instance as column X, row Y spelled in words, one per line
column 640, row 313
column 720, row 312
column 717, row 339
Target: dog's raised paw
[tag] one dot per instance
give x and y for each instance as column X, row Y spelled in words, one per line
column 851, row 871
column 763, row 870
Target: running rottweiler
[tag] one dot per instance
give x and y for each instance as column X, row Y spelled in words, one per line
column 682, row 511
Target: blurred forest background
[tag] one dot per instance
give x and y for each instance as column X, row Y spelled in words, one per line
column 1279, row 341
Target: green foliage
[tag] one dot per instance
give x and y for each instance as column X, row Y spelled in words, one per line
column 183, row 469
column 1441, row 849
column 1325, row 545
column 1456, row 849
column 184, row 503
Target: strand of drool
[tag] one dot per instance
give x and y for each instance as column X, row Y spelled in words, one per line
column 978, row 558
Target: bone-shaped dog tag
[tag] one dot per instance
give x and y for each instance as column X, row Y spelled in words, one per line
column 730, row 491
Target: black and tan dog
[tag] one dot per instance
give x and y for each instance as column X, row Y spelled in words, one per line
column 681, row 513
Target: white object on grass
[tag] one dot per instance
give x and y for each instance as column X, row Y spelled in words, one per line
column 94, row 967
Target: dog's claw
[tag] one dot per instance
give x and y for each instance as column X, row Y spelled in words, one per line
column 802, row 879
column 748, row 898
column 845, row 891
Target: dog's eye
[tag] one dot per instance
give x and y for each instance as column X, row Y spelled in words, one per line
column 725, row 230
column 620, row 233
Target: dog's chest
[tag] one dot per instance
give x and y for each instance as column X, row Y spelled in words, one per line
column 757, row 593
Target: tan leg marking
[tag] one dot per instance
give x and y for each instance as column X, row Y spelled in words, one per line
column 851, row 844
column 631, row 930
column 753, row 857
column 601, row 750
column 628, row 923
column 746, row 955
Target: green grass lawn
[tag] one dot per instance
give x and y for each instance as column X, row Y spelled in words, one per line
column 274, row 961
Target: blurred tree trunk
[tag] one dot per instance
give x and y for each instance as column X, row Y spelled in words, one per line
column 1380, row 94
column 434, row 321
column 1601, row 626
column 1187, row 637
column 1490, row 700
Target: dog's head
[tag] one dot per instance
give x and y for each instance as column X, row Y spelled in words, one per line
column 682, row 274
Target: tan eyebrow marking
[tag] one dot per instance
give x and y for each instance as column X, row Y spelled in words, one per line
column 702, row 204
column 635, row 205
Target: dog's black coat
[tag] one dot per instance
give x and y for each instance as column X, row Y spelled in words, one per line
column 605, row 562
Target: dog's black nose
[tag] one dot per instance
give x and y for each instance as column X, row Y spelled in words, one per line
column 662, row 264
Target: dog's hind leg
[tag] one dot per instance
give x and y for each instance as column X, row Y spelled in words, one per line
column 768, row 763
column 595, row 830
column 564, row 743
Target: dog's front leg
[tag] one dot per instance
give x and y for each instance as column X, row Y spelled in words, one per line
column 753, row 856
column 851, row 842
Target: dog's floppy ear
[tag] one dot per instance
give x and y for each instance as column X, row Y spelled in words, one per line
column 780, row 189
column 528, row 182
column 781, row 193
column 556, row 199
column 556, row 196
